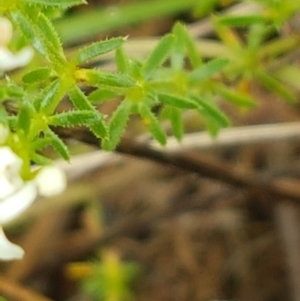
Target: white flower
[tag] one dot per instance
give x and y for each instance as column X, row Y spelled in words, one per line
column 8, row 60
column 17, row 195
column 50, row 181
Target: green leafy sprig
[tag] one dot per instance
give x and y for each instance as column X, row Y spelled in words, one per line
column 172, row 79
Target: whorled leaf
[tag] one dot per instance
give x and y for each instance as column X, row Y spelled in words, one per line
column 11, row 90
column 210, row 112
column 41, row 142
column 42, row 35
column 58, row 145
column 30, row 31
column 176, row 122
column 101, row 95
column 237, row 98
column 51, row 38
column 24, row 118
column 40, row 159
column 60, row 3
column 49, row 98
column 158, row 55
column 275, row 86
column 178, row 101
column 188, row 43
column 117, row 125
column 36, row 75
column 81, row 102
column 121, row 60
column 74, row 118
column 228, row 36
column 91, row 51
column 3, row 115
column 104, row 78
column 241, row 20
column 151, row 122
column 207, row 70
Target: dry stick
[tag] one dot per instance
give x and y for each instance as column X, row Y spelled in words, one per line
column 14, row 291
column 193, row 162
column 230, row 137
column 237, row 136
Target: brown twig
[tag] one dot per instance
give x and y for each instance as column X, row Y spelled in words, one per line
column 17, row 292
column 199, row 164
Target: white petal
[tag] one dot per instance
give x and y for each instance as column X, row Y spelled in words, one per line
column 7, row 60
column 8, row 250
column 24, row 56
column 6, row 188
column 10, row 61
column 9, row 159
column 18, row 202
column 10, row 166
column 51, row 180
column 6, row 31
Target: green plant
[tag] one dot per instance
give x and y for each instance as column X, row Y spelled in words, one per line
column 164, row 80
column 108, row 279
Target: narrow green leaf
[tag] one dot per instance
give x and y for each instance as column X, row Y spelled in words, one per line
column 178, row 101
column 37, row 75
column 100, row 77
column 117, row 125
column 211, row 113
column 240, row 20
column 275, row 86
column 121, row 60
column 58, row 145
column 40, row 159
column 49, row 98
column 158, row 55
column 24, row 118
column 3, row 115
column 257, row 34
column 29, row 30
column 235, row 97
column 152, row 124
column 51, row 38
column 91, row 51
column 135, row 70
column 188, row 43
column 13, row 90
column 176, row 123
column 42, row 35
column 74, row 118
column 207, row 70
column 81, row 102
column 100, row 95
column 228, row 36
column 99, row 129
column 60, row 3
column 177, row 57
column 41, row 142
